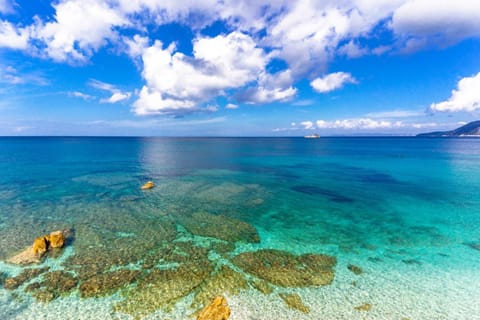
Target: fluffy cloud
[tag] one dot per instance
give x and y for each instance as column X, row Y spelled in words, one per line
column 80, row 28
column 13, row 37
column 441, row 21
column 176, row 81
column 231, row 106
column 332, row 81
column 305, row 35
column 465, row 98
column 269, row 88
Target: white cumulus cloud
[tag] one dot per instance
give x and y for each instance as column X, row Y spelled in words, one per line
column 80, row 27
column 332, row 81
column 465, row 98
column 13, row 37
column 304, row 35
column 177, row 81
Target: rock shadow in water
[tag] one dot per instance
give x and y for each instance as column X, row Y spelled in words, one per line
column 314, row 190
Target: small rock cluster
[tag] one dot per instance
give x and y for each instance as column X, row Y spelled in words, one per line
column 40, row 247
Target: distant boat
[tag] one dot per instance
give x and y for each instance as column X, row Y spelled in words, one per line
column 313, row 136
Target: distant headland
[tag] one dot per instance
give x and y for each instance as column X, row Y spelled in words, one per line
column 471, row 129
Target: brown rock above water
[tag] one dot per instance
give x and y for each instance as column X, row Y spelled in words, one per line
column 56, row 239
column 39, row 248
column 217, row 310
column 148, row 185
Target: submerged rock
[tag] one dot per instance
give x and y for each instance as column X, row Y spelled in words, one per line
column 161, row 289
column 59, row 281
column 224, row 281
column 108, row 283
column 294, row 301
column 355, row 269
column 3, row 276
column 287, row 270
column 25, row 257
column 262, row 286
column 364, row 307
column 98, row 249
column 218, row 309
column 25, row 276
column 473, row 245
column 220, row 227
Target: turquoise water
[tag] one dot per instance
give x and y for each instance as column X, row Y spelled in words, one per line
column 404, row 210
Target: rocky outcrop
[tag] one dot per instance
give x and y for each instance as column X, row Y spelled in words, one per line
column 57, row 239
column 148, row 185
column 218, row 309
column 39, row 248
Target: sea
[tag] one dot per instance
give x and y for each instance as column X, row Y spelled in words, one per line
column 283, row 228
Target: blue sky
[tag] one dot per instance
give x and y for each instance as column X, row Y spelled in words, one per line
column 238, row 68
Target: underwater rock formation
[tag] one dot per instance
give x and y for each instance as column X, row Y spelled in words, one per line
column 262, row 286
column 224, row 281
column 355, row 269
column 162, row 288
column 218, row 309
column 108, row 283
column 54, row 285
column 25, row 276
column 294, row 301
column 473, row 245
column 364, row 307
column 220, row 227
column 98, row 249
column 287, row 270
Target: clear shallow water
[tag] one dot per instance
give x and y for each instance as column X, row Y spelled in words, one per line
column 405, row 210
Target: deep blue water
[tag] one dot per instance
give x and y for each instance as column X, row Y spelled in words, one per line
column 387, row 204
